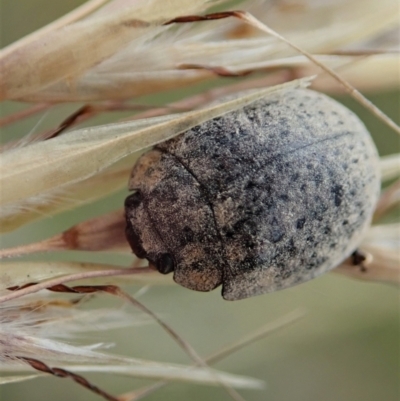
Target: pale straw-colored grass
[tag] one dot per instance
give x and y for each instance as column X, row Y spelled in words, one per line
column 111, row 53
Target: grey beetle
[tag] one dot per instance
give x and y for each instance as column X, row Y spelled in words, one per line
column 258, row 200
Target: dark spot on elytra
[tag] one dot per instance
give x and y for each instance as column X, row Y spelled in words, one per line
column 327, row 230
column 271, row 102
column 320, row 209
column 286, row 274
column 290, row 248
column 318, row 179
column 300, row 223
column 218, row 124
column 188, row 234
column 294, row 177
column 221, row 140
column 310, row 239
column 277, row 235
column 229, row 233
column 311, row 266
column 241, row 131
column 197, row 266
column 251, row 184
column 249, row 263
column 338, row 192
column 245, row 225
column 204, row 148
column 249, row 244
column 258, row 211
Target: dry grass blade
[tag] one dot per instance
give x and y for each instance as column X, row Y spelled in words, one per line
column 99, row 234
column 361, row 72
column 90, row 361
column 110, row 180
column 139, row 69
column 139, row 368
column 154, row 370
column 389, row 200
column 78, row 13
column 390, row 167
column 385, row 237
column 176, row 373
column 70, row 50
column 50, row 56
column 82, row 275
column 16, row 379
column 18, row 274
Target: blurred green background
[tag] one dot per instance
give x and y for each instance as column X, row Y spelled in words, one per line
column 346, row 348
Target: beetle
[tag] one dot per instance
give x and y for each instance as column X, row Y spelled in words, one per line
column 260, row 199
